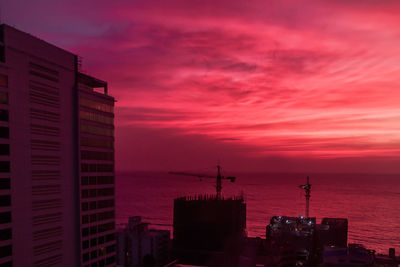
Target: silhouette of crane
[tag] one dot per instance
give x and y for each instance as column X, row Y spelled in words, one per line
column 307, row 189
column 219, row 178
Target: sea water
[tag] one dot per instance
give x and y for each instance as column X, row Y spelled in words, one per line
column 370, row 202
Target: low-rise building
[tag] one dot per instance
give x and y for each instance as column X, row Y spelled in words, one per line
column 140, row 246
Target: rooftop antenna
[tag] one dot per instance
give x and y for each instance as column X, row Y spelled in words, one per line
column 219, row 182
column 80, row 60
column 307, row 189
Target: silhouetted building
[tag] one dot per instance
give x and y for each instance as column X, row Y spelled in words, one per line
column 291, row 240
column 253, row 253
column 207, row 228
column 96, row 155
column 333, row 232
column 139, row 246
column 54, row 211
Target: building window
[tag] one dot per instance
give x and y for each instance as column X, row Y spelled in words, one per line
column 3, row 98
column 106, row 227
column 5, row 201
column 105, row 180
column 3, row 80
column 97, row 155
column 85, row 193
column 85, row 102
column 2, row 33
column 110, row 260
column 43, row 69
column 4, row 166
column 110, row 249
column 91, row 116
column 4, row 149
column 106, row 215
column 2, row 53
column 4, row 183
column 5, row 234
column 3, row 115
column 101, row 204
column 93, row 230
column 85, row 257
column 93, row 218
column 93, row 205
column 6, row 264
column 84, row 180
column 5, row 251
column 94, row 142
column 92, row 193
column 110, row 237
column 4, row 132
column 90, row 129
column 97, row 167
column 43, row 76
column 5, row 217
column 93, row 242
column 2, row 57
column 85, row 231
column 85, row 219
column 105, row 192
column 85, row 244
column 85, row 206
column 84, row 168
column 93, row 254
column 92, row 180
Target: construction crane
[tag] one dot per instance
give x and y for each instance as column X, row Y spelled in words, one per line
column 307, row 189
column 219, row 178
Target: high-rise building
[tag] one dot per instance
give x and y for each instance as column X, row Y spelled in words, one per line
column 96, row 156
column 56, row 158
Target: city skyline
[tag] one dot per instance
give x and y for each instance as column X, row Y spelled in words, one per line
column 279, row 86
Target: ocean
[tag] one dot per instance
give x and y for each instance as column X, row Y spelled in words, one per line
column 370, row 202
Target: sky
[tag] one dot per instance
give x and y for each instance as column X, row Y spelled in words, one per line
column 278, row 85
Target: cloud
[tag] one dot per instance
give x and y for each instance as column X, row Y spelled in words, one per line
column 298, row 79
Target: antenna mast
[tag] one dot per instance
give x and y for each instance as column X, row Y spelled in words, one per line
column 307, row 190
column 219, row 182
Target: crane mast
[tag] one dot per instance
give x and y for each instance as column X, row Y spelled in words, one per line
column 219, row 182
column 307, row 190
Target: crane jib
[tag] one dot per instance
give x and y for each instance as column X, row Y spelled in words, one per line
column 218, row 178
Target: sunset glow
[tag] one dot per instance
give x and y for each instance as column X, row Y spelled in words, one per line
column 314, row 81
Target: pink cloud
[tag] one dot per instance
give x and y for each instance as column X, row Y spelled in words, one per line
column 277, row 78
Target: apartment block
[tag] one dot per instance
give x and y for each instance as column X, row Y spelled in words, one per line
column 47, row 158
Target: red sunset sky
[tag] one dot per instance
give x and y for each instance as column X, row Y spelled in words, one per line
column 282, row 85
